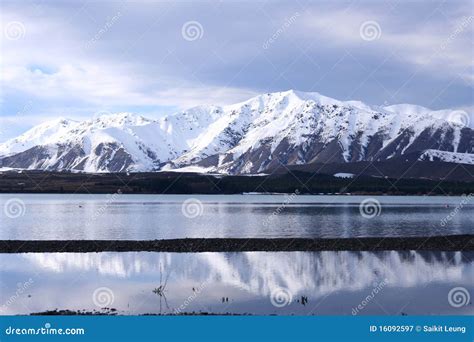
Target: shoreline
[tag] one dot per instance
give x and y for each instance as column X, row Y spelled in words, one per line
column 199, row 245
column 270, row 193
column 192, row 183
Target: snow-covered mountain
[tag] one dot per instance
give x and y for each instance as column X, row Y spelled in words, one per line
column 289, row 128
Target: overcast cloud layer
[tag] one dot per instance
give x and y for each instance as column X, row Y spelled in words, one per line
column 77, row 58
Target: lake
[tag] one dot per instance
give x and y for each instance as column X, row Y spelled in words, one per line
column 282, row 283
column 397, row 283
column 145, row 217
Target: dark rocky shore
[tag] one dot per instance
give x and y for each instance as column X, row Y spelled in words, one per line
column 461, row 181
column 114, row 312
column 434, row 243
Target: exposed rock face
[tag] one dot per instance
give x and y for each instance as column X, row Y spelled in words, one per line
column 265, row 132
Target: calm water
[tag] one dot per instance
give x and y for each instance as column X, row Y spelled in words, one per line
column 142, row 217
column 333, row 282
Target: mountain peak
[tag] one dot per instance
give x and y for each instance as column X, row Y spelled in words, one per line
column 120, row 119
column 39, row 135
column 290, row 127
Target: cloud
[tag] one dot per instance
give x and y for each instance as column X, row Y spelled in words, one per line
column 78, row 58
column 431, row 41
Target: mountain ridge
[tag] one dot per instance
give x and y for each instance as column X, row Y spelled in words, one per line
column 289, row 128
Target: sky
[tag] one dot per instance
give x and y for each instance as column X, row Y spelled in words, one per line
column 77, row 59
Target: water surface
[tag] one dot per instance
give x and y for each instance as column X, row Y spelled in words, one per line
column 333, row 282
column 145, row 217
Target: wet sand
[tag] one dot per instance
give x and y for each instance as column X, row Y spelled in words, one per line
column 433, row 243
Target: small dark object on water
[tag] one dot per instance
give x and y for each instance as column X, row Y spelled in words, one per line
column 158, row 290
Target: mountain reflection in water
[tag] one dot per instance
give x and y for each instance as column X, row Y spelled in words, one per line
column 325, row 282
